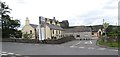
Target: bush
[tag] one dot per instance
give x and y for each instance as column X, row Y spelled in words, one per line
column 27, row 36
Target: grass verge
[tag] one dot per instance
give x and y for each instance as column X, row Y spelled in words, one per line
column 114, row 44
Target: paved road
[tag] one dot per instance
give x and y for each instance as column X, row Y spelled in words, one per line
column 77, row 47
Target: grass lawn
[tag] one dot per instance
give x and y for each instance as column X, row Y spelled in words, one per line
column 110, row 44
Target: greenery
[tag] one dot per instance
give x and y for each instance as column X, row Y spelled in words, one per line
column 27, row 36
column 113, row 33
column 9, row 26
column 109, row 44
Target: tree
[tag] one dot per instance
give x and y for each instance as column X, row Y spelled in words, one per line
column 105, row 26
column 9, row 26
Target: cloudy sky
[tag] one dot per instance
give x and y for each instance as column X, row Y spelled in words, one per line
column 77, row 12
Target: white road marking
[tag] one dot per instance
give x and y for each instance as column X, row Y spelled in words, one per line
column 77, row 43
column 114, row 50
column 101, row 48
column 4, row 52
column 81, row 47
column 88, row 42
column 17, row 54
column 36, row 44
column 73, row 47
column 91, row 42
column 91, row 48
column 10, row 53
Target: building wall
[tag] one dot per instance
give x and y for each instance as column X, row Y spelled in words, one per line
column 48, row 33
column 62, row 33
column 80, row 35
column 26, row 29
column 95, row 34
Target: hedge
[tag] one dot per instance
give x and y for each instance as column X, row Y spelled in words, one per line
column 59, row 41
column 51, row 41
column 21, row 40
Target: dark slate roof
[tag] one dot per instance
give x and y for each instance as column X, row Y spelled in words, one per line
column 78, row 29
column 33, row 25
column 50, row 26
column 54, row 27
column 96, row 28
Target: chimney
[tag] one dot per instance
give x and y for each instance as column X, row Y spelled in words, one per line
column 27, row 21
column 53, row 17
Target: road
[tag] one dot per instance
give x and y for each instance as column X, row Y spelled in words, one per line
column 76, row 47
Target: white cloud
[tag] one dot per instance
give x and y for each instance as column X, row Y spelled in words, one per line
column 72, row 10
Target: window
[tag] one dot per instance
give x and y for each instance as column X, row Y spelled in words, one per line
column 59, row 31
column 50, row 22
column 92, row 33
column 78, row 36
column 53, row 31
column 35, row 29
column 30, row 31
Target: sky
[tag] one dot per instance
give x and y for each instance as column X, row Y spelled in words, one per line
column 77, row 12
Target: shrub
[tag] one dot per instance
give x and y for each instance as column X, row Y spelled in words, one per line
column 27, row 36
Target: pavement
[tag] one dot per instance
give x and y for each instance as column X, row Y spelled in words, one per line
column 76, row 47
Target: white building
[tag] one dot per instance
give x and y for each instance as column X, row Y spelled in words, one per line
column 80, row 32
column 47, row 29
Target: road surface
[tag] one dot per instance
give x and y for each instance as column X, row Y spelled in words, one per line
column 76, row 47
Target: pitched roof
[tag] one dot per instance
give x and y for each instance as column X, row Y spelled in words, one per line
column 33, row 25
column 78, row 29
column 50, row 26
column 54, row 27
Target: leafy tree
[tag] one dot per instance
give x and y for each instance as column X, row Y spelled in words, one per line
column 9, row 26
column 105, row 26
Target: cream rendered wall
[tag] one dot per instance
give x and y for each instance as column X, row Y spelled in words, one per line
column 95, row 34
column 55, row 33
column 48, row 32
column 27, row 29
column 48, row 21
